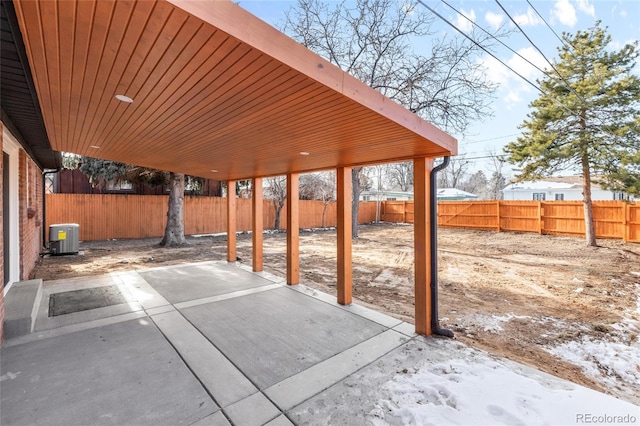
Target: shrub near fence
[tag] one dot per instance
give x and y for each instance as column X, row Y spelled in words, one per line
column 105, row 216
column 613, row 219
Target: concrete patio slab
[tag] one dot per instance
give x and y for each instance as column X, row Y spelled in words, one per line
column 275, row 334
column 255, row 410
column 180, row 284
column 296, row 389
column 221, row 378
column 268, row 354
column 124, row 373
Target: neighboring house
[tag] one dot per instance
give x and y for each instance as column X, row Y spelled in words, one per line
column 444, row 194
column 563, row 188
column 76, row 182
column 453, row 194
column 26, row 153
column 385, row 196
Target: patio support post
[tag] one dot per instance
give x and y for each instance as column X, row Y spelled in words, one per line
column 422, row 237
column 345, row 278
column 257, row 225
column 293, row 229
column 231, row 221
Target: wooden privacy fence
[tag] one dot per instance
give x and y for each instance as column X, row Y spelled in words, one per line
column 613, row 219
column 104, row 216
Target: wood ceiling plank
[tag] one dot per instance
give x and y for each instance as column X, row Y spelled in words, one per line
column 162, row 54
column 81, row 47
column 99, row 61
column 132, row 34
column 190, row 95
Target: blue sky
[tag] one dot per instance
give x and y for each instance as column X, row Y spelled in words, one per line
column 622, row 17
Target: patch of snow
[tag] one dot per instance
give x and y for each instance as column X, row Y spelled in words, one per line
column 578, row 290
column 635, row 273
column 613, row 359
column 470, row 389
column 490, row 323
column 602, row 360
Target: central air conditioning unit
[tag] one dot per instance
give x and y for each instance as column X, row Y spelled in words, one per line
column 64, row 238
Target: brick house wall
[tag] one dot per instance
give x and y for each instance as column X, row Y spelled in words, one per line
column 30, row 202
column 30, row 217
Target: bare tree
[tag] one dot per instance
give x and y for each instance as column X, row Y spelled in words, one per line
column 276, row 193
column 374, row 40
column 454, row 175
column 498, row 179
column 476, row 184
column 319, row 186
column 401, row 175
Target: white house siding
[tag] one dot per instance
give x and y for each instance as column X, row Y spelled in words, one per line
column 570, row 192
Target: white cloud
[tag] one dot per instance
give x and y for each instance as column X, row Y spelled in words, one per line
column 586, row 7
column 514, row 89
column 494, row 19
column 463, row 23
column 528, row 19
column 523, row 67
column 623, row 13
column 513, row 97
column 564, row 12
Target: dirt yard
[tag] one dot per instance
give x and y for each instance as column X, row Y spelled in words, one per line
column 523, row 296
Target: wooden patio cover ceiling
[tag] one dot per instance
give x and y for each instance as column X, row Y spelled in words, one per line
column 214, row 88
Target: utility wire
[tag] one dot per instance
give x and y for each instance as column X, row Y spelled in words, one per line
column 566, row 83
column 570, row 48
column 490, row 139
column 564, row 42
column 567, row 86
column 497, row 39
column 478, row 44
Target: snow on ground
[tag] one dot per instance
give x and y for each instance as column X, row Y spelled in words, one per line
column 430, row 381
column 472, row 388
column 614, row 358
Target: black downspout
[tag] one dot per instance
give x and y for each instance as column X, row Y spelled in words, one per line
column 44, row 207
column 433, row 216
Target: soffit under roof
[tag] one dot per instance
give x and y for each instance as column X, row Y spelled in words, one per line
column 214, row 88
column 20, row 109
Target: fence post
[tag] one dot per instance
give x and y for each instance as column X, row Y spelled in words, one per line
column 404, row 212
column 498, row 215
column 540, row 221
column 625, row 221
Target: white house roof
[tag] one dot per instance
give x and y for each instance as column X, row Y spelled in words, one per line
column 529, row 185
column 551, row 183
column 454, row 192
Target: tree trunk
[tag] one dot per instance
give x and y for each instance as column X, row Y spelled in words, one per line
column 355, row 200
column 278, row 209
column 324, row 211
column 174, row 232
column 589, row 227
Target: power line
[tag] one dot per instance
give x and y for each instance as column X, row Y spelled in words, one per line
column 478, row 44
column 564, row 43
column 566, row 83
column 490, row 139
column 496, row 39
